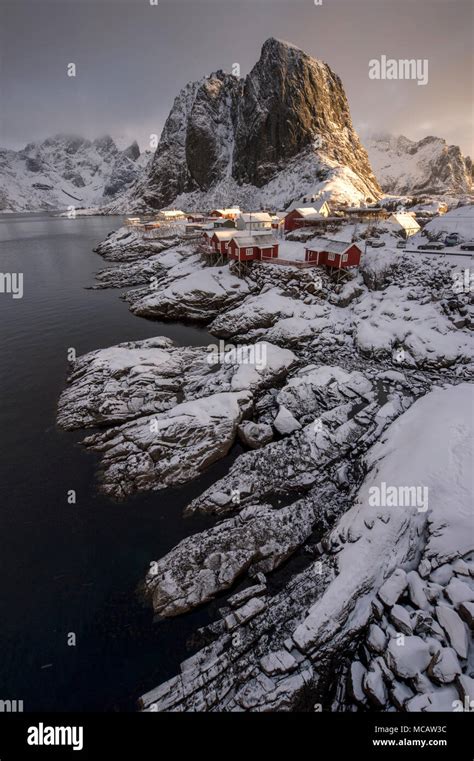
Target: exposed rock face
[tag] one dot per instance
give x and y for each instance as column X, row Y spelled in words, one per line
column 289, row 100
column 196, row 142
column 169, row 411
column 247, row 132
column 428, row 166
column 258, row 539
column 278, row 650
column 67, row 170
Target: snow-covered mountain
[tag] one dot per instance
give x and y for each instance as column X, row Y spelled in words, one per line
column 67, row 170
column 429, row 166
column 282, row 132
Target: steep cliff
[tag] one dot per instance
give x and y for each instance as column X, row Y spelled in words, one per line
column 283, row 131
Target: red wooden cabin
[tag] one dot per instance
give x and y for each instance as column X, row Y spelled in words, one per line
column 253, row 247
column 305, row 216
column 333, row 253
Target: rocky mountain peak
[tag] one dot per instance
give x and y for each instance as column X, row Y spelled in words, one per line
column 225, row 134
column 133, row 151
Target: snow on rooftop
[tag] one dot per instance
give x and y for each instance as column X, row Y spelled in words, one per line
column 255, row 216
column 326, row 244
column 228, row 233
column 262, row 239
column 405, row 220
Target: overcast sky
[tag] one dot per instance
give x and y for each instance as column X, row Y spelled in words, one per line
column 132, row 58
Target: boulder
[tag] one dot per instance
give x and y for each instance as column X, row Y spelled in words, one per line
column 255, row 435
column 408, row 657
column 455, row 629
column 393, row 588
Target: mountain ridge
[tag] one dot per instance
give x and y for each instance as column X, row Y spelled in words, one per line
column 426, row 166
column 66, row 169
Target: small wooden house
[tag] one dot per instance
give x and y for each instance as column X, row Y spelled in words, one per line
column 254, row 221
column 230, row 213
column 244, row 248
column 322, row 207
column 220, row 240
column 404, row 223
column 305, row 216
column 171, row 215
column 333, row 253
column 278, row 220
column 220, row 223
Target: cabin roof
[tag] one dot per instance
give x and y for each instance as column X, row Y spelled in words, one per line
column 331, row 246
column 228, row 233
column 234, row 210
column 261, row 241
column 256, row 216
column 404, row 220
column 306, row 211
column 172, row 213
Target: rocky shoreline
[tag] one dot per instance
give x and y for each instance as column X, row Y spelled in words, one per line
column 316, row 585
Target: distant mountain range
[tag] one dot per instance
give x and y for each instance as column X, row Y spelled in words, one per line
column 67, row 170
column 429, row 166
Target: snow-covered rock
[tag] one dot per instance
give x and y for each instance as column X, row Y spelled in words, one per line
column 455, row 629
column 285, row 423
column 137, row 378
column 202, row 565
column 395, row 585
column 444, row 668
column 324, row 607
column 171, row 447
column 408, row 657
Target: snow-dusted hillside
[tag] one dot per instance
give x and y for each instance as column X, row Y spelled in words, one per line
column 66, row 170
column 428, row 166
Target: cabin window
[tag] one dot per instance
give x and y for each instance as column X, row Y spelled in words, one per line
column 331, row 257
column 248, row 251
column 345, row 257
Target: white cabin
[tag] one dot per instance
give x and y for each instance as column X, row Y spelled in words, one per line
column 254, row 221
column 404, row 223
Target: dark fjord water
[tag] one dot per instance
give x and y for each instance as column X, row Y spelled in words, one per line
column 74, row 568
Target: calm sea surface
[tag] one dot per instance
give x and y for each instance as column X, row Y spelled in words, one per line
column 74, row 568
